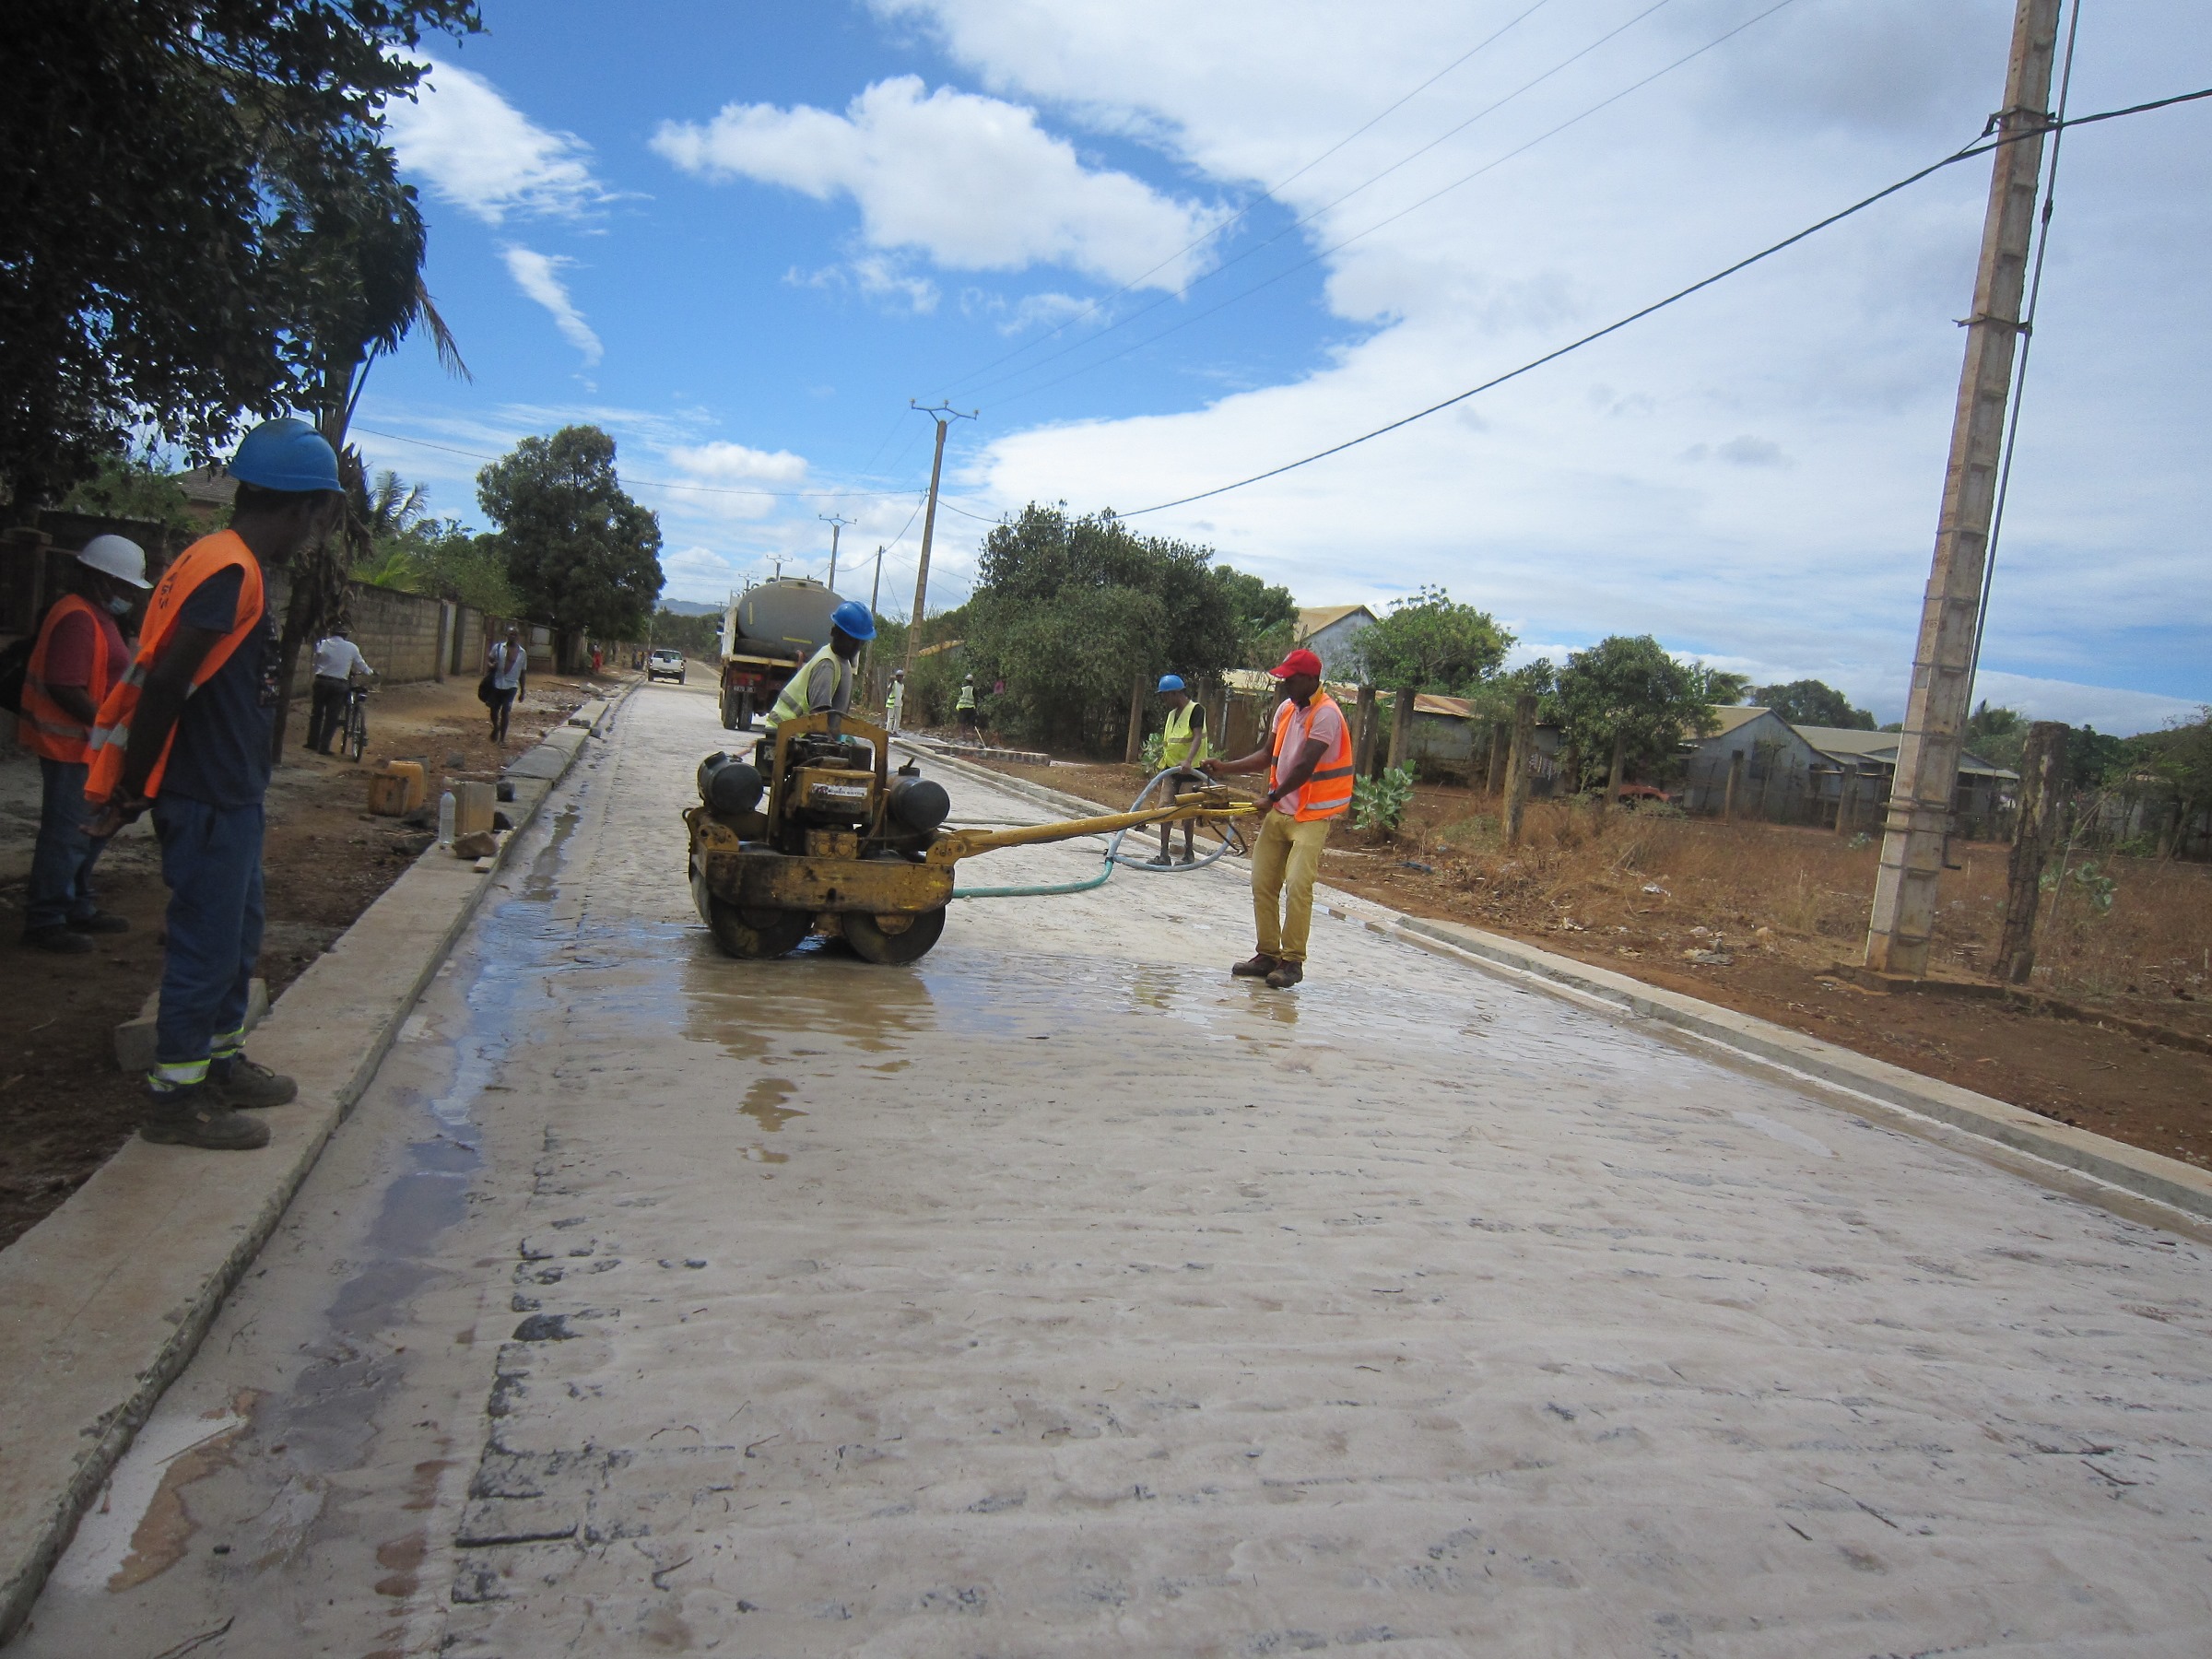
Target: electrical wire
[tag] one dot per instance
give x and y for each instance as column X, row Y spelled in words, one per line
column 1971, row 151
column 2019, row 378
column 1329, row 206
column 1092, row 307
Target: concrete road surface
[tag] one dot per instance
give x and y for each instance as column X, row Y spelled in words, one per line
column 1063, row 1296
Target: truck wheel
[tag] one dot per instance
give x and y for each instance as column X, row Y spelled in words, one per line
column 729, row 710
column 755, row 936
column 893, row 941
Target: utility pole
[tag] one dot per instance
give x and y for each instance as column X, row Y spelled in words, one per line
column 835, row 523
column 1927, row 753
column 875, row 592
column 943, row 414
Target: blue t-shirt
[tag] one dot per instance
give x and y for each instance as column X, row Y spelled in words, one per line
column 221, row 756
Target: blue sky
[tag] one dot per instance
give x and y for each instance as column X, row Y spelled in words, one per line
column 743, row 238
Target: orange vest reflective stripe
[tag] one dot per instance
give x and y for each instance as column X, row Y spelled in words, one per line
column 45, row 727
column 112, row 731
column 1329, row 791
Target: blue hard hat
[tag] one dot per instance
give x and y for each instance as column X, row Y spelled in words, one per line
column 853, row 620
column 287, row 455
column 1170, row 682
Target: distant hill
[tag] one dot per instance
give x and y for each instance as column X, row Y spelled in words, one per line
column 690, row 607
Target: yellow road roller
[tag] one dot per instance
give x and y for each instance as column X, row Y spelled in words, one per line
column 826, row 836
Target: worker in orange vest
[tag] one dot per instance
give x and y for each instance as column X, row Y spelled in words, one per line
column 1309, row 762
column 77, row 658
column 186, row 733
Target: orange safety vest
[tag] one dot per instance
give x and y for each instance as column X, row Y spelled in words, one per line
column 45, row 727
column 112, row 731
column 1329, row 791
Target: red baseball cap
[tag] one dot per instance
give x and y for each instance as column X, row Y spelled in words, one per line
column 1297, row 662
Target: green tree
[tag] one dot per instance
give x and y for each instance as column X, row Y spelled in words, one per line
column 1069, row 610
column 1812, row 702
column 1999, row 736
column 1429, row 642
column 1267, row 617
column 581, row 554
column 2181, row 756
column 126, row 484
column 1629, row 689
column 154, row 217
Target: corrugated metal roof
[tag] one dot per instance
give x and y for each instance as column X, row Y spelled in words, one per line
column 1731, row 717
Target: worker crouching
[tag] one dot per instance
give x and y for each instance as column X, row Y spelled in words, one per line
column 1309, row 764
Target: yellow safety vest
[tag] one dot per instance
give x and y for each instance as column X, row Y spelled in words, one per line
column 966, row 699
column 1177, row 746
column 791, row 703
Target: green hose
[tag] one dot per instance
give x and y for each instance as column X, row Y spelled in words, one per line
column 1036, row 890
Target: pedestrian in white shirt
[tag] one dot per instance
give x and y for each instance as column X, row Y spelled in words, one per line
column 338, row 660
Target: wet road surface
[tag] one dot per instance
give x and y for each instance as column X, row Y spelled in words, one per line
column 1063, row 1296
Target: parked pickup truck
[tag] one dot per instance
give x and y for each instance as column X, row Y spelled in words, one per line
column 664, row 664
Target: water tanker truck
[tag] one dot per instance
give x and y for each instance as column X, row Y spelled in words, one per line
column 765, row 633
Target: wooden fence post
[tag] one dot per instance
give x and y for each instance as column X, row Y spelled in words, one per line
column 1516, row 768
column 1501, row 736
column 1735, row 778
column 2040, row 767
column 1401, row 725
column 1363, row 733
column 1613, row 779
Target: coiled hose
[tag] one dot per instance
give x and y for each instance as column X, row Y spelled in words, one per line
column 1113, row 855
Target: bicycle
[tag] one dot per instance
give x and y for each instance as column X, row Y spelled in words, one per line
column 354, row 732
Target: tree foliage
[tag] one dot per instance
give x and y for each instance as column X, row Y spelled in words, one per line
column 1429, row 642
column 1998, row 734
column 2180, row 758
column 175, row 169
column 1267, row 617
column 580, row 553
column 125, row 485
column 1631, row 687
column 1069, row 610
column 1812, row 702
column 439, row 558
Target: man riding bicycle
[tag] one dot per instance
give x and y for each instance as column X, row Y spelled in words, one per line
column 337, row 660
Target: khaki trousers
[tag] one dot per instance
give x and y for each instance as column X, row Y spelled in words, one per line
column 1287, row 854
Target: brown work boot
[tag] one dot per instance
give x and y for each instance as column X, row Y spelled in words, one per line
column 1260, row 966
column 194, row 1117
column 245, row 1084
column 1287, row 974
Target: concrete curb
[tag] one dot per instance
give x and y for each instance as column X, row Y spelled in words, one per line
column 2165, row 1182
column 104, row 1301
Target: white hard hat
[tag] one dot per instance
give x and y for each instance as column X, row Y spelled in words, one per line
column 116, row 555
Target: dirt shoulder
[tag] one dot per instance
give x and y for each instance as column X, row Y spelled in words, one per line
column 1774, row 909
column 65, row 1107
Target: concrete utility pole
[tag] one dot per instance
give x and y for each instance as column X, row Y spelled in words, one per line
column 1936, row 712
column 835, row 523
column 1517, row 768
column 874, row 593
column 944, row 415
column 2042, row 770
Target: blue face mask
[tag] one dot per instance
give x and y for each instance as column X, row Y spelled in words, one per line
column 120, row 606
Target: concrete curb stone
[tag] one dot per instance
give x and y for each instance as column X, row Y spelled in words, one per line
column 104, row 1301
column 2166, row 1182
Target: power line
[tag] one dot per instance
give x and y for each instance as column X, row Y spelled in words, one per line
column 1328, row 206
column 1091, row 307
column 1971, row 150
column 1322, row 253
column 650, row 483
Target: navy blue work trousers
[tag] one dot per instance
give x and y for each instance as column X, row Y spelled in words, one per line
column 60, row 889
column 211, row 861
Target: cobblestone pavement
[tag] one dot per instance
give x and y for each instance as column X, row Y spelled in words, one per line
column 1063, row 1296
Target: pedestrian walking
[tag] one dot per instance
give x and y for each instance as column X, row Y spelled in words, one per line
column 894, row 703
column 963, row 709
column 186, row 731
column 1183, row 749
column 505, row 667
column 338, row 660
column 76, row 661
column 1309, row 763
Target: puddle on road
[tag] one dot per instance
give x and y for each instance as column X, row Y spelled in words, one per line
column 545, row 870
column 764, row 1103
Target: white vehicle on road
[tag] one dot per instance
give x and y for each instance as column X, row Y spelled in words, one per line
column 664, row 663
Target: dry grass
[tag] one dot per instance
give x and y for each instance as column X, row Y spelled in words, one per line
column 1806, row 892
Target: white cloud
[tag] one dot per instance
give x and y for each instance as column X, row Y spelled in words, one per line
column 2109, row 710
column 538, row 275
column 973, row 182
column 482, row 154
column 723, row 462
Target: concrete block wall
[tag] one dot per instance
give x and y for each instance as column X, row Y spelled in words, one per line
column 401, row 634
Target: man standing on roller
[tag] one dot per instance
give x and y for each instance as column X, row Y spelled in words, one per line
column 186, row 731
column 1308, row 765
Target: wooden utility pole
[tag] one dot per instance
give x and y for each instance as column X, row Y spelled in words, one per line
column 2043, row 768
column 836, row 523
column 1137, row 693
column 944, row 415
column 1516, row 768
column 1363, row 733
column 1401, row 725
column 1936, row 711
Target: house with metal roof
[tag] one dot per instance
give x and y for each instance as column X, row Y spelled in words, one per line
column 1758, row 765
column 1327, row 630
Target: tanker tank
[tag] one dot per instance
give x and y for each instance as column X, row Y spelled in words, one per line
column 766, row 634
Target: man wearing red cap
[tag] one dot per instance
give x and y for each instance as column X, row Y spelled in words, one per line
column 1309, row 763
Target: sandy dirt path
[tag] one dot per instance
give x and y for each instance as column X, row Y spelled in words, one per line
column 1063, row 1296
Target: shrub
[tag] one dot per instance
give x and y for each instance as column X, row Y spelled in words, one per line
column 1381, row 802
